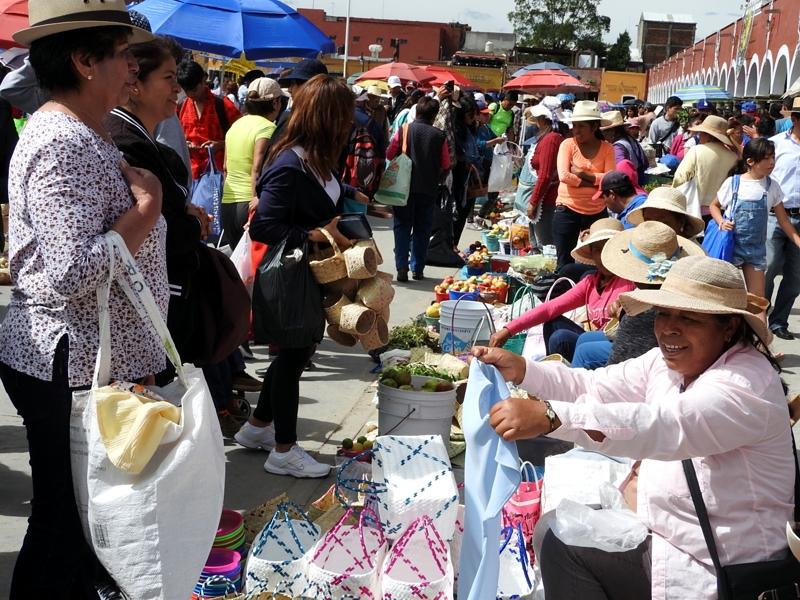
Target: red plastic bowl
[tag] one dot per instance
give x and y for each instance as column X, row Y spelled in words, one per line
column 221, row 560
column 229, row 522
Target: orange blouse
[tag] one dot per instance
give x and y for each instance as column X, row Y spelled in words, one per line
column 570, row 192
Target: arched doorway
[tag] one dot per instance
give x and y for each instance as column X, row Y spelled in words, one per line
column 779, row 84
column 765, row 81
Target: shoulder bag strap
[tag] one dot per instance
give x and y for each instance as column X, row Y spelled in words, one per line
column 224, row 122
column 729, row 213
column 405, row 138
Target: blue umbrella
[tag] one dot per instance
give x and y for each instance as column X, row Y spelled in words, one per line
column 259, row 28
column 693, row 93
column 546, row 66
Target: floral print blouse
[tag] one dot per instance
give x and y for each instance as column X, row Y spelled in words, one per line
column 66, row 190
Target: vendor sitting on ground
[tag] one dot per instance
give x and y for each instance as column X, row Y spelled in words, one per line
column 596, row 291
column 617, row 191
column 710, row 393
column 643, row 255
column 668, row 205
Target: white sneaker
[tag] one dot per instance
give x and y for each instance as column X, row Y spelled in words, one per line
column 296, row 462
column 256, row 438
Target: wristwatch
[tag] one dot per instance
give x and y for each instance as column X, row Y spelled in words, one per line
column 551, row 416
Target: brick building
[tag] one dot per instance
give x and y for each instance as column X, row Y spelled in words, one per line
column 420, row 41
column 770, row 56
column 662, row 35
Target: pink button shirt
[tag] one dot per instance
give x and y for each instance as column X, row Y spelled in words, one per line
column 733, row 421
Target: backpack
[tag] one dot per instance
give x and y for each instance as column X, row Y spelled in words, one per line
column 362, row 166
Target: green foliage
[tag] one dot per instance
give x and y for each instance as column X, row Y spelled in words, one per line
column 619, row 53
column 559, row 24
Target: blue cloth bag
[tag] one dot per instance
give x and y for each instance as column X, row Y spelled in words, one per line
column 719, row 243
column 491, row 471
column 207, row 194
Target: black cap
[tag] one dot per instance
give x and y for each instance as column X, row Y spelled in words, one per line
column 303, row 71
column 613, row 180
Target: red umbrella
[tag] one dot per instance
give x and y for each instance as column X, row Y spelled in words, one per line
column 13, row 17
column 536, row 81
column 443, row 75
column 404, row 71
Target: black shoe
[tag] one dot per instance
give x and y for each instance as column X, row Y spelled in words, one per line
column 418, row 276
column 402, row 276
column 783, row 333
column 247, row 354
column 243, row 382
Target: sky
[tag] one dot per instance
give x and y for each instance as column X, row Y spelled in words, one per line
column 491, row 15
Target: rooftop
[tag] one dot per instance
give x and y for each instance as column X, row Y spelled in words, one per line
column 667, row 18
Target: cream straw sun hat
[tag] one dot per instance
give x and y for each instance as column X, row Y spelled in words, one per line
column 586, row 110
column 613, row 119
column 716, row 127
column 646, row 253
column 673, row 200
column 703, row 285
column 47, row 17
column 601, row 230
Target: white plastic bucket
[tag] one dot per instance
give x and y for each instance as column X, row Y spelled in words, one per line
column 462, row 323
column 403, row 412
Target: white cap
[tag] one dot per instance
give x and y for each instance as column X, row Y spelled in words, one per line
column 264, row 88
column 394, row 81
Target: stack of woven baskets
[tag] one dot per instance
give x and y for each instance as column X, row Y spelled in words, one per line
column 357, row 295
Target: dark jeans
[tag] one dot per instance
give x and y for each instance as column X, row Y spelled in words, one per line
column 219, row 378
column 567, row 226
column 413, row 224
column 280, row 392
column 577, row 573
column 561, row 335
column 55, row 558
column 783, row 258
column 464, row 207
column 234, row 217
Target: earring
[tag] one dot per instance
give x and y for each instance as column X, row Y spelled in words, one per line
column 90, row 77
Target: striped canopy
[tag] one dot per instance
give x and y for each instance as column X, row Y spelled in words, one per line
column 693, row 93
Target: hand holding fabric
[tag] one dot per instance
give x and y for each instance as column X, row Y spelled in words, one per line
column 519, row 419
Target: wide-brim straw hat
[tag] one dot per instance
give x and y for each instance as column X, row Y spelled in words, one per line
column 646, row 253
column 714, row 126
column 600, row 231
column 705, row 285
column 673, row 200
column 612, row 119
column 48, row 17
column 586, row 110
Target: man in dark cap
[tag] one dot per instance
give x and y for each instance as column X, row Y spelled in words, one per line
column 619, row 195
column 293, row 81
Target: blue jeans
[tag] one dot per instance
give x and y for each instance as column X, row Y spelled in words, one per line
column 412, row 232
column 560, row 336
column 591, row 350
column 783, row 257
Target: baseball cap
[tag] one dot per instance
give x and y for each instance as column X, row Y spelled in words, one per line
column 394, row 81
column 749, row 107
column 540, row 111
column 704, row 105
column 264, row 88
column 613, row 180
column 303, row 71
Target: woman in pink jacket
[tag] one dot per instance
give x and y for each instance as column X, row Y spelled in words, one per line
column 707, row 403
column 597, row 292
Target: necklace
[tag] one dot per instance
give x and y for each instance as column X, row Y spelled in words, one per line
column 93, row 124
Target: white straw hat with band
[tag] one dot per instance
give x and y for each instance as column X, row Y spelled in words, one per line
column 673, row 200
column 716, row 127
column 613, row 119
column 703, row 285
column 600, row 231
column 645, row 254
column 48, row 17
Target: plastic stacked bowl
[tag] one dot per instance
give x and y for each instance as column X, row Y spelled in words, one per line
column 230, row 533
column 221, row 563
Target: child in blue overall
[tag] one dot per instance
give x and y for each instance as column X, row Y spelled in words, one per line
column 742, row 205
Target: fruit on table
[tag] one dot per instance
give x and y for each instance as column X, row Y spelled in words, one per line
column 407, row 388
column 347, row 443
column 389, row 382
column 362, row 439
column 434, row 311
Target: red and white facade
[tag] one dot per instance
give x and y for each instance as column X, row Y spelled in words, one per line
column 771, row 57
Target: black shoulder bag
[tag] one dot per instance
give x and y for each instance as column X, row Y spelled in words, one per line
column 768, row 580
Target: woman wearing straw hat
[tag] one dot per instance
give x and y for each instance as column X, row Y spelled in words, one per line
column 707, row 164
column 68, row 188
column 643, row 255
column 626, row 147
column 596, row 291
column 668, row 205
column 583, row 159
column 710, row 392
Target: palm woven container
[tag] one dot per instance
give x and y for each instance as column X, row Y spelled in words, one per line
column 361, row 262
column 356, row 319
column 370, row 243
column 386, row 276
column 328, row 264
column 332, row 304
column 384, row 314
column 340, row 337
column 345, row 286
column 375, row 293
column 377, row 337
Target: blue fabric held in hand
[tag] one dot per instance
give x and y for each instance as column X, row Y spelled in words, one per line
column 491, row 469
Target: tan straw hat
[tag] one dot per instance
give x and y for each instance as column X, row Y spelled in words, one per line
column 586, row 110
column 601, row 230
column 646, row 253
column 47, row 17
column 613, row 119
column 703, row 285
column 673, row 200
column 714, row 126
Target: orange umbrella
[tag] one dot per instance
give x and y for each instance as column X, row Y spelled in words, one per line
column 539, row 81
column 404, row 71
column 13, row 17
column 443, row 75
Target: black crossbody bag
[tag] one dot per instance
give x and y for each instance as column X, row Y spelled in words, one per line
column 767, row 580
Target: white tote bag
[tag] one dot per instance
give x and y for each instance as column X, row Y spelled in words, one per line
column 243, row 261
column 516, row 575
column 501, row 173
column 152, row 531
column 692, row 193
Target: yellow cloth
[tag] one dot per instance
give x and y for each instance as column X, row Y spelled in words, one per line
column 239, row 144
column 132, row 426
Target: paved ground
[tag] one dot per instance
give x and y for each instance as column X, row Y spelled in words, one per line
column 335, row 403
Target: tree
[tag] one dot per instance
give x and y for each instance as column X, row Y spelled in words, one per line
column 558, row 24
column 619, row 53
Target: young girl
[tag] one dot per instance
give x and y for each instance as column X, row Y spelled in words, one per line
column 742, row 205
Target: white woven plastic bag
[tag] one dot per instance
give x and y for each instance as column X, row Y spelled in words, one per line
column 516, row 575
column 413, row 477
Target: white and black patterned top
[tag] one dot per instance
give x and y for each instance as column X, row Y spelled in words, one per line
column 65, row 190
